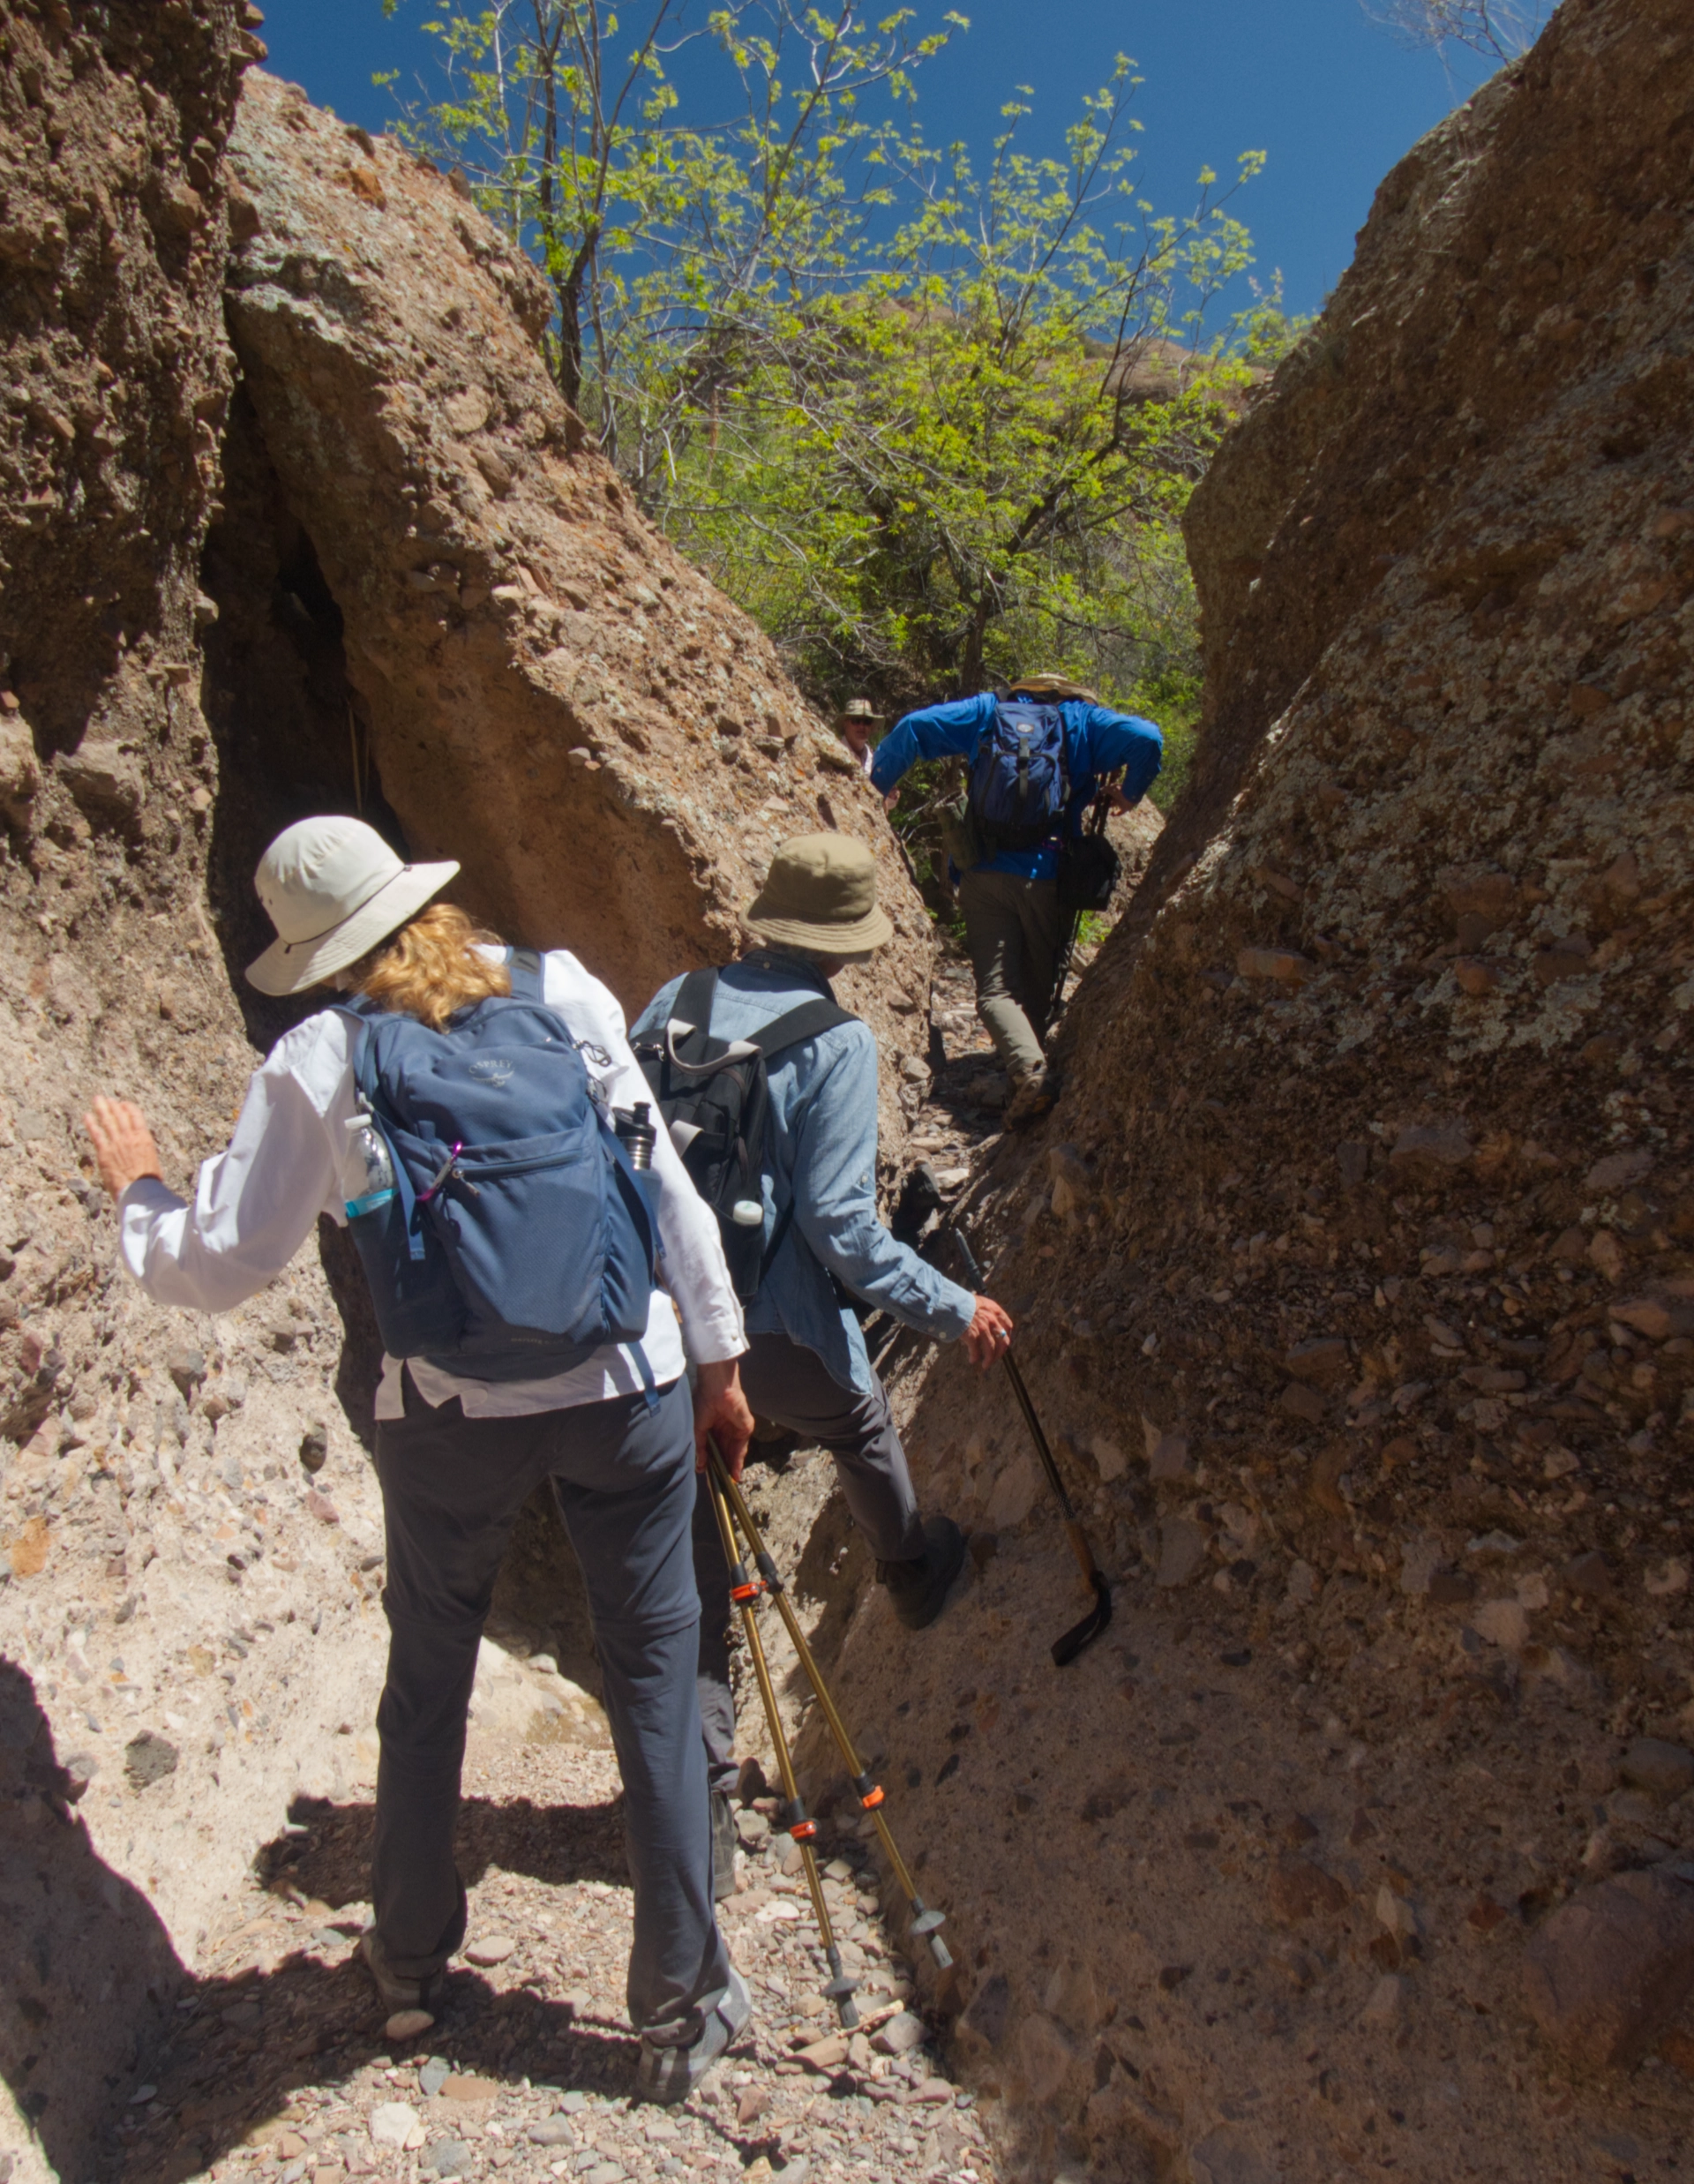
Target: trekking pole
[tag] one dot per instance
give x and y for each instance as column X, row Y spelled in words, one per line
column 1065, row 1648
column 870, row 1793
column 744, row 1591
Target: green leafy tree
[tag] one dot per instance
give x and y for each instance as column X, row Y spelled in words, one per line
column 975, row 459
column 929, row 426
column 672, row 245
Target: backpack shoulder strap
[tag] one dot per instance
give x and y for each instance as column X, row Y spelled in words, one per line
column 523, row 967
column 695, row 997
column 810, row 1020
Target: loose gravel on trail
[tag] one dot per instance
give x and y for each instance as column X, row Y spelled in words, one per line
column 283, row 2068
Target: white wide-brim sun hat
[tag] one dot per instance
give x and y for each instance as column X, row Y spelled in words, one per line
column 333, row 888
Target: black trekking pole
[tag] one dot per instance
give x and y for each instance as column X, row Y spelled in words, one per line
column 926, row 1921
column 1065, row 1648
column 744, row 1590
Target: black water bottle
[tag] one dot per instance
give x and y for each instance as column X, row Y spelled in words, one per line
column 636, row 1135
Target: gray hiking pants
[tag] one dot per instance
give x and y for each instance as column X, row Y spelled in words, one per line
column 452, row 1488
column 786, row 1381
column 1015, row 929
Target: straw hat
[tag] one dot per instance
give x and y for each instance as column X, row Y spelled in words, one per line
column 1052, row 686
column 820, row 894
column 333, row 888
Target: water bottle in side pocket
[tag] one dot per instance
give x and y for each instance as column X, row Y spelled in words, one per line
column 367, row 1171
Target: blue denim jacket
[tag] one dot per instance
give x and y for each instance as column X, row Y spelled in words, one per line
column 820, row 1154
column 1097, row 742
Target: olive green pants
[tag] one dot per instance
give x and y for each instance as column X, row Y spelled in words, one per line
column 1014, row 928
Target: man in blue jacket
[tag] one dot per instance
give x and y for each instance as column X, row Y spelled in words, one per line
column 806, row 1366
column 1010, row 897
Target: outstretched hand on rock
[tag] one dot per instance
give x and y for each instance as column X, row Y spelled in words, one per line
column 123, row 1144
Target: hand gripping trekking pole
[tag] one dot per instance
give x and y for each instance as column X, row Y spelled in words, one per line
column 744, row 1590
column 926, row 1921
column 1065, row 1648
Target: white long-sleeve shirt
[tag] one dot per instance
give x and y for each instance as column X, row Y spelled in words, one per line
column 255, row 1202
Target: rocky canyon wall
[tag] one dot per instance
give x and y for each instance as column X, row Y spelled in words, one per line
column 1355, row 1269
column 357, row 559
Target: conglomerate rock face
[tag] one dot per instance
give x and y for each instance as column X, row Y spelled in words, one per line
column 225, row 602
column 550, row 692
column 1355, row 1269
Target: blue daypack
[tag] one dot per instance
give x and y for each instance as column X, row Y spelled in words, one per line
column 1020, row 782
column 517, row 1240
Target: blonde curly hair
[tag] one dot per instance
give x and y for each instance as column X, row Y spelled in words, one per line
column 430, row 969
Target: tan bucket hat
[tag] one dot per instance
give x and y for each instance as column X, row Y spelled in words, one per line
column 820, row 894
column 333, row 888
column 1053, row 687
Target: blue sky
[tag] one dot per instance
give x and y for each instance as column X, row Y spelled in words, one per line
column 1333, row 100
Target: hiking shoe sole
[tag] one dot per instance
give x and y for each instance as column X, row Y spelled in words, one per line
column 396, row 1990
column 667, row 2074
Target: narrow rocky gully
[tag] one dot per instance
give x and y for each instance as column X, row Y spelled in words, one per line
column 1353, row 1273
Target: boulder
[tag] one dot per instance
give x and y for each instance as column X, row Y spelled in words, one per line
column 553, row 695
column 1607, row 1972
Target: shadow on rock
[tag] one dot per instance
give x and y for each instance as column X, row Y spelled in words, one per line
column 325, row 1858
column 90, row 1974
column 95, row 1998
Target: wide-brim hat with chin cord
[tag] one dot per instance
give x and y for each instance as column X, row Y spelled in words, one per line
column 820, row 894
column 333, row 888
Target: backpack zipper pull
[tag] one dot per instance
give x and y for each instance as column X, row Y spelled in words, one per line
column 442, row 1173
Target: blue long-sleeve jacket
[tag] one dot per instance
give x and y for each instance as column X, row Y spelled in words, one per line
column 820, row 1159
column 1097, row 742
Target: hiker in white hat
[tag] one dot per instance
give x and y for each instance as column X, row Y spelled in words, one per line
column 503, row 1387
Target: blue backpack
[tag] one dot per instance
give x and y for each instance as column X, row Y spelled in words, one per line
column 1020, row 783
column 517, row 1240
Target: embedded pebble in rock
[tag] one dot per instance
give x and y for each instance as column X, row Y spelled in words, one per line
column 1607, row 1972
column 1662, row 1769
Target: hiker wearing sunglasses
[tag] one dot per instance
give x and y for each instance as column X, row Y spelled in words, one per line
column 539, row 1350
column 769, row 1089
column 1036, row 759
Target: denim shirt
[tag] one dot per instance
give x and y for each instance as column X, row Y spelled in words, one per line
column 820, row 1155
column 1097, row 742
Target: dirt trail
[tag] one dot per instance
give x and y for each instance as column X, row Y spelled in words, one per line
column 281, row 2066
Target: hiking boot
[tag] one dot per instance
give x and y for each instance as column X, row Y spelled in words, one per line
column 1031, row 1097
column 669, row 2071
column 919, row 1588
column 723, row 1842
column 398, row 1992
